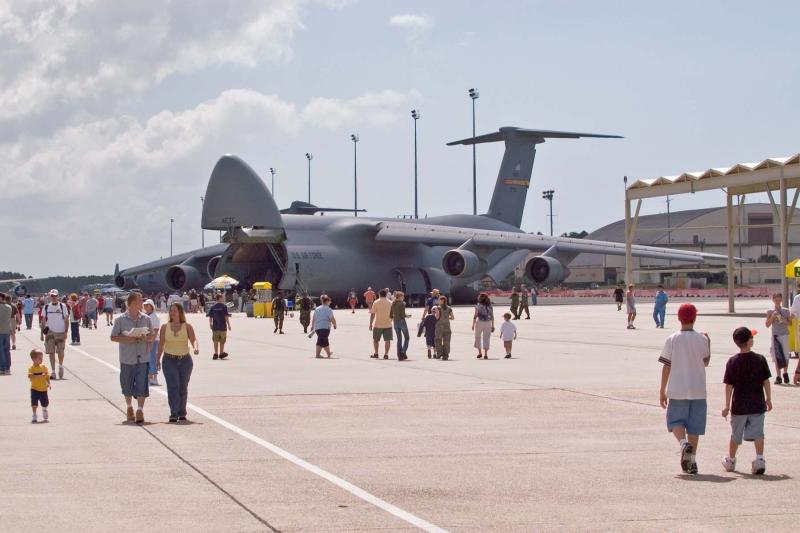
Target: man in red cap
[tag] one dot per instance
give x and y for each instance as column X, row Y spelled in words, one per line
column 685, row 356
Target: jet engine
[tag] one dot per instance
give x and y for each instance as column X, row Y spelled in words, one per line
column 183, row 277
column 546, row 270
column 124, row 283
column 211, row 267
column 462, row 263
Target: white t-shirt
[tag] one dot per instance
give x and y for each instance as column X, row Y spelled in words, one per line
column 796, row 306
column 155, row 323
column 684, row 352
column 55, row 314
column 507, row 331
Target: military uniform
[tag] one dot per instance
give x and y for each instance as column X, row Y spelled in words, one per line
column 278, row 313
column 515, row 304
column 523, row 304
column 305, row 312
column 443, row 332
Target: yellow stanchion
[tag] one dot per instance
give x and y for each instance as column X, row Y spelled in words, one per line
column 792, row 271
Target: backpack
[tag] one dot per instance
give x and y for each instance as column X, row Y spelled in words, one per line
column 76, row 312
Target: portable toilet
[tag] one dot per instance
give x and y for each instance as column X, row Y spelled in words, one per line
column 262, row 307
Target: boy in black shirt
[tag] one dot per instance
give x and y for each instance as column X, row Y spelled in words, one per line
column 746, row 380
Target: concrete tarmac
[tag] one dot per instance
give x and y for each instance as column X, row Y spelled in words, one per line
column 567, row 435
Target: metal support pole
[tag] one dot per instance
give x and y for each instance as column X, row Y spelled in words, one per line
column 474, row 166
column 355, row 140
column 784, row 219
column 415, row 116
column 729, row 270
column 551, row 215
column 628, row 242
column 202, row 231
column 309, row 156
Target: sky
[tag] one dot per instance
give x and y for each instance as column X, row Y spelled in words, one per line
column 112, row 114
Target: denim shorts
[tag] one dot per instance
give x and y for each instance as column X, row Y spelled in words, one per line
column 747, row 427
column 133, row 379
column 39, row 397
column 690, row 414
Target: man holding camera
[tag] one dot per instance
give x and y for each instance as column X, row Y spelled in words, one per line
column 55, row 321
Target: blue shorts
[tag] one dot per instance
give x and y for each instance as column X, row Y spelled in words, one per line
column 133, row 379
column 91, row 315
column 39, row 398
column 690, row 414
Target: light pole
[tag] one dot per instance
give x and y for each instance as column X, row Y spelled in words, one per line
column 171, row 221
column 272, row 190
column 473, row 94
column 548, row 195
column 415, row 114
column 355, row 139
column 309, row 156
column 202, row 231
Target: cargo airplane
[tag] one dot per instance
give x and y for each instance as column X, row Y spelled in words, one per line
column 297, row 252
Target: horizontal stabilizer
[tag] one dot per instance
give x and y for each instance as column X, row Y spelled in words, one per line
column 535, row 136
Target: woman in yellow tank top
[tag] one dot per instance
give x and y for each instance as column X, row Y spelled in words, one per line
column 177, row 338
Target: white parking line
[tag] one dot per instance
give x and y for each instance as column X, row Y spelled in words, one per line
column 336, row 480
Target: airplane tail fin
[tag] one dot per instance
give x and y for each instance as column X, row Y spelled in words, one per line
column 513, row 179
column 236, row 197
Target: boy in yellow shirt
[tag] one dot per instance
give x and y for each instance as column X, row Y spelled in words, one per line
column 40, row 383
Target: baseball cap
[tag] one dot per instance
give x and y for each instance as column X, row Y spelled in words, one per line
column 687, row 313
column 742, row 335
column 53, row 292
column 150, row 303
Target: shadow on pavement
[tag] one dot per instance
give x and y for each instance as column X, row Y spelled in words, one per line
column 710, row 478
column 766, row 477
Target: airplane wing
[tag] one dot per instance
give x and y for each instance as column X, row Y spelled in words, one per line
column 452, row 236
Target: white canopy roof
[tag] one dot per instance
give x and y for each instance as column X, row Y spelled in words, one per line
column 741, row 178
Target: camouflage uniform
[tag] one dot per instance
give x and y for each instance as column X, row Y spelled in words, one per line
column 515, row 310
column 443, row 332
column 304, row 305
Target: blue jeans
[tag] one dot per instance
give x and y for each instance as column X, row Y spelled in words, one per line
column 177, row 371
column 151, row 367
column 401, row 328
column 75, row 331
column 29, row 321
column 658, row 315
column 5, row 352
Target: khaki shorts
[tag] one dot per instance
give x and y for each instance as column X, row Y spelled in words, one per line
column 377, row 333
column 219, row 336
column 54, row 342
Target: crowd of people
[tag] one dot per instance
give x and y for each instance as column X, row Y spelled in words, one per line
column 147, row 347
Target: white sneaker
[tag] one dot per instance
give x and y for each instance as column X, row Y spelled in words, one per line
column 154, row 382
column 759, row 467
column 729, row 464
column 53, row 375
column 33, row 419
column 44, row 415
column 60, row 371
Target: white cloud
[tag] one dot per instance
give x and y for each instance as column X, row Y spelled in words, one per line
column 415, row 23
column 132, row 175
column 87, row 54
column 377, row 108
column 104, row 153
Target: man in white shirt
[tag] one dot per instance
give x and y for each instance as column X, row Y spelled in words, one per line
column 685, row 356
column 55, row 321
